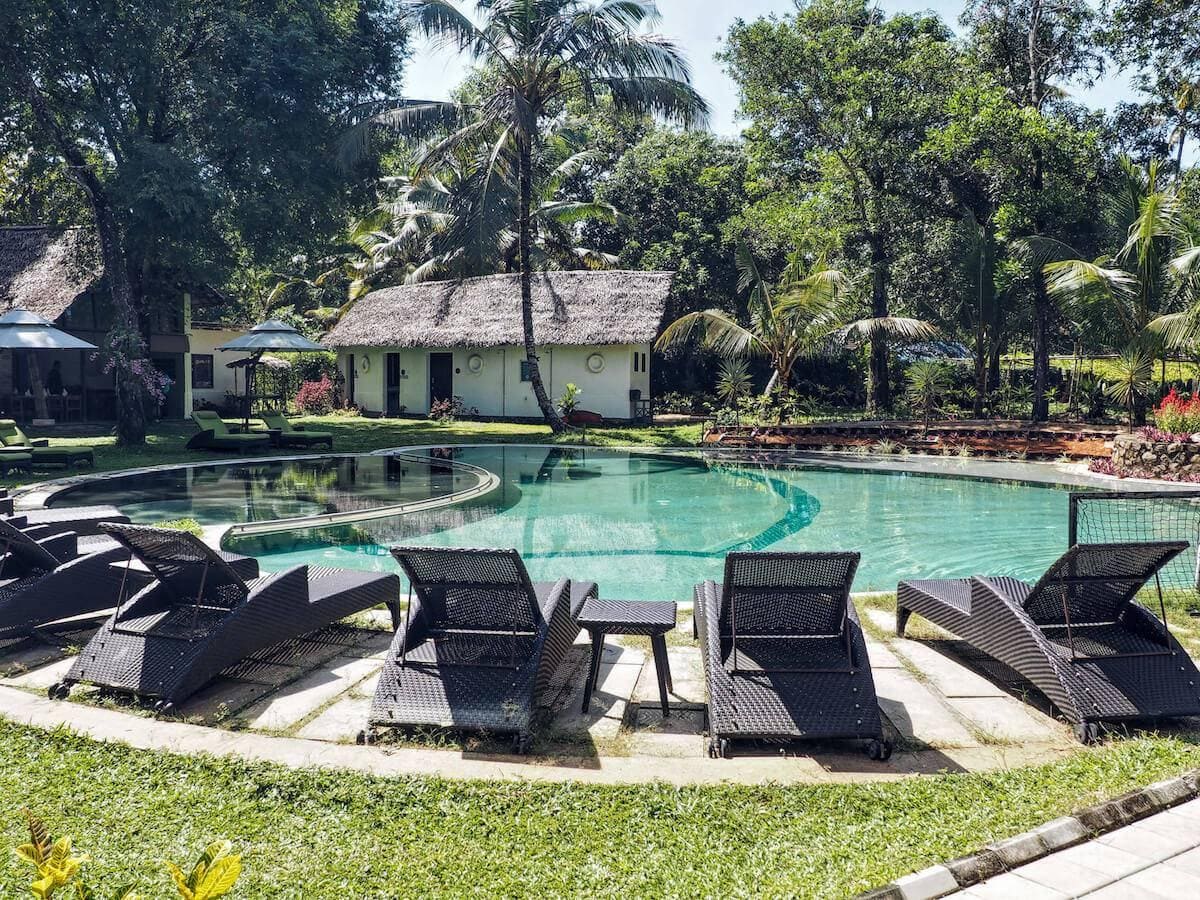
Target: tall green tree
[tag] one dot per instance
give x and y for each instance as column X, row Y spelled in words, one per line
column 1145, row 281
column 1160, row 41
column 536, row 55
column 1035, row 49
column 840, row 98
column 197, row 130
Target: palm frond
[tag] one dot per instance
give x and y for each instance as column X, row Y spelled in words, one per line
column 721, row 332
column 859, row 332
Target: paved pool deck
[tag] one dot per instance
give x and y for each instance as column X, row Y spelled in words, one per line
column 946, row 709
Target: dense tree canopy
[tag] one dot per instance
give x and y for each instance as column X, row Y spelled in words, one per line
column 947, row 175
column 200, row 132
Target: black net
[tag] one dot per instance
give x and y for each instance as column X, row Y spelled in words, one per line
column 1108, row 518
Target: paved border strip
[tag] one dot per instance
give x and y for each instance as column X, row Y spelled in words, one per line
column 1059, row 834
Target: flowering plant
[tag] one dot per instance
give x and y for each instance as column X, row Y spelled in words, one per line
column 316, row 397
column 1178, row 413
column 141, row 372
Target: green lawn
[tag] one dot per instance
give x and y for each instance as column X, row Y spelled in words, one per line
column 165, row 443
column 321, row 835
column 318, row 834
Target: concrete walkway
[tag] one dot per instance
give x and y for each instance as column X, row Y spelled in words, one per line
column 306, row 704
column 1158, row 857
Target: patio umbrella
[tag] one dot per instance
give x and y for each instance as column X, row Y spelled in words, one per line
column 271, row 335
column 22, row 330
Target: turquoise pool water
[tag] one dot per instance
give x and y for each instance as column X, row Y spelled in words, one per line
column 651, row 526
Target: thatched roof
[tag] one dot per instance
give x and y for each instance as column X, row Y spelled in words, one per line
column 45, row 269
column 569, row 308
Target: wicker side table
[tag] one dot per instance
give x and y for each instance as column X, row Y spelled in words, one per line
column 653, row 618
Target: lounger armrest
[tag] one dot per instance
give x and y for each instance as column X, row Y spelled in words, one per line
column 39, row 442
column 63, row 546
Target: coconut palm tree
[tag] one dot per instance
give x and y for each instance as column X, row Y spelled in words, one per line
column 1143, row 287
column 810, row 309
column 536, row 54
column 457, row 222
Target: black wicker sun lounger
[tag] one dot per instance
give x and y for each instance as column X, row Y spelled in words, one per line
column 1078, row 635
column 199, row 616
column 479, row 644
column 784, row 656
column 46, row 579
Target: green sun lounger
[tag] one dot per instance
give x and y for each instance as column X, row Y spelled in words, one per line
column 216, row 435
column 294, row 435
column 15, row 440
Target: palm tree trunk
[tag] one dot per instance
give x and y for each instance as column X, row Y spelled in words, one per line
column 1041, row 349
column 879, row 399
column 525, row 245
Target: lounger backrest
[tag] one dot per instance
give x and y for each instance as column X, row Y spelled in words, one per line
column 11, row 434
column 24, row 554
column 187, row 568
column 471, row 590
column 1094, row 582
column 275, row 419
column 786, row 593
column 210, row 421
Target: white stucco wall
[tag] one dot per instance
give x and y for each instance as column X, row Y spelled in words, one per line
column 496, row 388
column 206, row 341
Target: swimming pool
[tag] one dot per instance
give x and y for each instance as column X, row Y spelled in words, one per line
column 642, row 524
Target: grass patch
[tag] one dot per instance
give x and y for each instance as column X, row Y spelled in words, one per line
column 317, row 834
column 165, row 444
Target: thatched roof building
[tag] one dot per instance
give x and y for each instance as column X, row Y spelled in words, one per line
column 45, row 269
column 569, row 309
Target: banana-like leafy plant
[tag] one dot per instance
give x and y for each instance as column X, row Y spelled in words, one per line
column 213, row 875
column 57, row 869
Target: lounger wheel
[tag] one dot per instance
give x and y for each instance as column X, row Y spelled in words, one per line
column 365, row 738
column 164, row 708
column 880, row 751
column 1087, row 732
column 718, row 749
column 521, row 744
column 58, row 691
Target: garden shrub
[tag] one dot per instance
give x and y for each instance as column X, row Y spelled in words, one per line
column 55, row 866
column 315, row 397
column 449, row 410
column 1178, row 413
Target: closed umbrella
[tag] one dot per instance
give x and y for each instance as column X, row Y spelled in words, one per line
column 274, row 336
column 22, row 330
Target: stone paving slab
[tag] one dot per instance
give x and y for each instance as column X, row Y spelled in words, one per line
column 41, row 678
column 1007, row 719
column 341, row 722
column 295, row 702
column 881, row 656
column 916, row 713
column 948, row 676
column 221, row 700
column 20, row 660
column 687, row 675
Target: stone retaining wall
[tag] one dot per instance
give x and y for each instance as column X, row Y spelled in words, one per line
column 1134, row 455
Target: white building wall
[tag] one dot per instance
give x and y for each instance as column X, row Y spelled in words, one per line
column 489, row 379
column 204, row 341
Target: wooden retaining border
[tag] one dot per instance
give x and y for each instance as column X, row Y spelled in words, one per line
column 997, row 438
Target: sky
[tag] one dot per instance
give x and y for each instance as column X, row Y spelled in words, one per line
column 699, row 28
